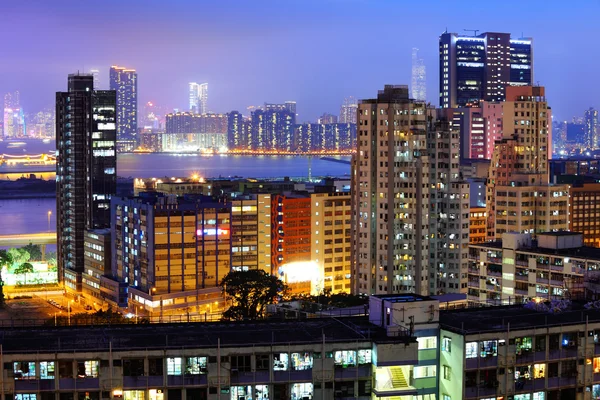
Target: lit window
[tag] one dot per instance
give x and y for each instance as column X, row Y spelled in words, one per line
column 24, row 370
column 345, row 358
column 195, row 366
column 301, row 361
column 471, row 350
column 47, row 370
column 280, row 362
column 174, row 366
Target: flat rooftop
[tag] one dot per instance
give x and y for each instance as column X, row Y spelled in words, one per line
column 500, row 319
column 402, row 298
column 192, row 335
column 585, row 252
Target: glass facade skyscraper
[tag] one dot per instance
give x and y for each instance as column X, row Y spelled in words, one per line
column 480, row 67
column 124, row 82
column 85, row 170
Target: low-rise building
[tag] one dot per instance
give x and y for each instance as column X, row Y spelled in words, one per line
column 518, row 267
column 313, row 359
column 97, row 265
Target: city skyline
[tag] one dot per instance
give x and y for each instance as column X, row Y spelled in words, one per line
column 158, row 53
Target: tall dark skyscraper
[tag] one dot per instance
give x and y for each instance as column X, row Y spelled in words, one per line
column 124, row 82
column 475, row 68
column 86, row 164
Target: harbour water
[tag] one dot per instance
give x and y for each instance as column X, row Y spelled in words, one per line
column 31, row 215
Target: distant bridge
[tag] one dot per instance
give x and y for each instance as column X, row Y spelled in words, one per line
column 41, row 238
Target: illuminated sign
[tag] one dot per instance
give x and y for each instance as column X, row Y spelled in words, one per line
column 212, row 232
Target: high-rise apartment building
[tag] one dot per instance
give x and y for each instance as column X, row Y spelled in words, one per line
column 291, row 107
column 591, row 138
column 327, row 118
column 391, row 191
column 418, row 77
column 85, row 170
column 124, row 82
column 13, row 118
column 195, row 131
column 475, row 68
column 479, row 128
column 519, row 197
column 272, row 128
column 198, row 97
column 348, row 111
column 411, row 221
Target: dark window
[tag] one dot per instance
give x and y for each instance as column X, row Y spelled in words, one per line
column 174, row 394
column 552, row 370
column 65, row 369
column 155, row 367
column 241, row 363
column 133, row 367
column 262, row 362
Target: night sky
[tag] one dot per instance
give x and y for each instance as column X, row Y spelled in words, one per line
column 313, row 51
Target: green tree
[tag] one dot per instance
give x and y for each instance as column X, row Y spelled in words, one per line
column 5, row 261
column 250, row 292
column 19, row 256
column 24, row 269
column 51, row 258
column 34, row 250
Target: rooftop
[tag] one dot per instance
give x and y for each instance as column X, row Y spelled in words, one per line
column 585, row 252
column 479, row 320
column 192, row 335
column 402, row 298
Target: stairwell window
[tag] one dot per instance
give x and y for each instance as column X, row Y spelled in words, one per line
column 447, row 344
column 447, row 372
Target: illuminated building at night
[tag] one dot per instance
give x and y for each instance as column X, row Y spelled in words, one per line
column 348, row 111
column 591, row 138
column 124, row 82
column 85, row 170
column 411, row 221
column 272, row 128
column 325, row 137
column 519, row 197
column 195, row 131
column 198, row 98
column 171, row 252
column 418, row 85
column 480, row 67
column 327, row 119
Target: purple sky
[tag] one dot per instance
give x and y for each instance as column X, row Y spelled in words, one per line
column 313, row 51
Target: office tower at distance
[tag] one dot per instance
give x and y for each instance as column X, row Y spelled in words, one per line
column 198, row 97
column 348, row 111
column 96, row 74
column 590, row 134
column 327, row 118
column 418, row 77
column 124, row 82
column 475, row 68
column 13, row 117
column 85, row 170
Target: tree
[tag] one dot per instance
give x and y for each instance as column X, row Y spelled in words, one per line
column 34, row 250
column 51, row 258
column 250, row 291
column 5, row 261
column 25, row 268
column 19, row 256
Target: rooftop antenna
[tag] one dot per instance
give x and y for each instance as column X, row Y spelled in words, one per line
column 472, row 30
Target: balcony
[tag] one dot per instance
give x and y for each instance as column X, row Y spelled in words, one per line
column 557, row 267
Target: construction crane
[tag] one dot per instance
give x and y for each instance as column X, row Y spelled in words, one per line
column 472, row 30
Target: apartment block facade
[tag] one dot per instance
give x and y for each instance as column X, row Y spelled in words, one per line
column 518, row 268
